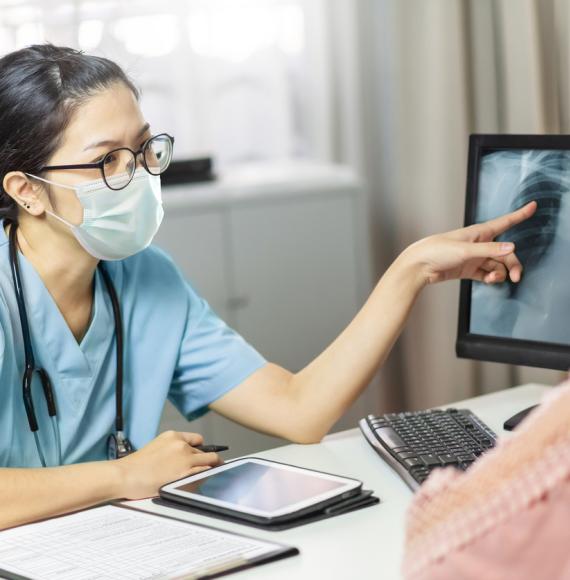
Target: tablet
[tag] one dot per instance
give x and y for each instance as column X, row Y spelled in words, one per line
column 260, row 490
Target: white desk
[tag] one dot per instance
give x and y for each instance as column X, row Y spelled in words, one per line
column 366, row 543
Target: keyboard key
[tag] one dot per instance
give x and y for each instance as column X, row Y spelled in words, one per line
column 389, row 437
column 448, row 459
column 430, row 459
column 406, row 454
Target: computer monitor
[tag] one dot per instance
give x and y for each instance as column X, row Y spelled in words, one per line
column 526, row 323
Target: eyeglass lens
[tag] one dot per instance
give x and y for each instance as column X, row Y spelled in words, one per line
column 158, row 154
column 120, row 165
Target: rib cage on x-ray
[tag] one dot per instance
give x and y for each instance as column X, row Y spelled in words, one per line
column 545, row 182
column 538, row 308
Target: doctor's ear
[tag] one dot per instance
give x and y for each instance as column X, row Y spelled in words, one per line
column 25, row 192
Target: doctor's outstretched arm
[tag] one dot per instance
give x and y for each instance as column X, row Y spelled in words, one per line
column 303, row 406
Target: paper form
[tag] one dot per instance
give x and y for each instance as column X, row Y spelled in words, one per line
column 112, row 542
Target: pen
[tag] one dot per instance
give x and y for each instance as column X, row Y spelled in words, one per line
column 211, row 448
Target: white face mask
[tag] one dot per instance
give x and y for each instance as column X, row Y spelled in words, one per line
column 116, row 223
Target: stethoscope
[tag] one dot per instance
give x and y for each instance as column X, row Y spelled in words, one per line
column 118, row 445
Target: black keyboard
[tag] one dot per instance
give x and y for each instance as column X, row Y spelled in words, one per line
column 415, row 443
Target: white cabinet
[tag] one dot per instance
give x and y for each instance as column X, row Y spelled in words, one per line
column 281, row 254
column 195, row 240
column 295, row 273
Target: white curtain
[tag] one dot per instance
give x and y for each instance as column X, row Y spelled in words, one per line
column 412, row 80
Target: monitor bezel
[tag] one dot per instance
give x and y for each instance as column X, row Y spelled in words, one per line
column 491, row 348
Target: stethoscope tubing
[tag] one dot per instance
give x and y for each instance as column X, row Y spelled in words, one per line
column 30, row 364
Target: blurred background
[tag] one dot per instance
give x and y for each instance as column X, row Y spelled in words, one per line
column 338, row 131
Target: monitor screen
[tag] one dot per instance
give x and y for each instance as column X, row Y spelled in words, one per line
column 528, row 322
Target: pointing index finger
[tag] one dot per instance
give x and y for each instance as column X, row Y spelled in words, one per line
column 505, row 222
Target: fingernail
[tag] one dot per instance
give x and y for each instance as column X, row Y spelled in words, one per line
column 507, row 247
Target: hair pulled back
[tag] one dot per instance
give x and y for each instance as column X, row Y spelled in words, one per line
column 40, row 88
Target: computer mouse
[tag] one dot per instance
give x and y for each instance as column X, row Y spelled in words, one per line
column 513, row 421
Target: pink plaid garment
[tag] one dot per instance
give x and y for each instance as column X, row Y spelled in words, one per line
column 508, row 517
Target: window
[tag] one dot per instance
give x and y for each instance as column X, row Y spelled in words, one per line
column 244, row 80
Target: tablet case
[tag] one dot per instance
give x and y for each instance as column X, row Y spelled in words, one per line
column 362, row 500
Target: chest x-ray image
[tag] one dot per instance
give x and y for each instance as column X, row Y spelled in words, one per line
column 538, row 307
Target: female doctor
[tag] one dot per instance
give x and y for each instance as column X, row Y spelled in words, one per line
column 98, row 328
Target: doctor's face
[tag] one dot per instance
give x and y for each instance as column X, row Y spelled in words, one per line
column 109, row 119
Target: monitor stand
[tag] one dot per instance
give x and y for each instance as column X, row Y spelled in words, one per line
column 511, row 423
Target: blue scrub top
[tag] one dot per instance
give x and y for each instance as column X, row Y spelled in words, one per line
column 175, row 347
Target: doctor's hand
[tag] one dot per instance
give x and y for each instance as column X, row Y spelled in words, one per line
column 168, row 457
column 470, row 252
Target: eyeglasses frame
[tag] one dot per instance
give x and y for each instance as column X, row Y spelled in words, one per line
column 100, row 164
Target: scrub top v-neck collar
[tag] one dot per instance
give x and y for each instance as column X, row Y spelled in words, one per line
column 47, row 324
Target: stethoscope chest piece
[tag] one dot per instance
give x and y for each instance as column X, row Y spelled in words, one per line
column 118, row 446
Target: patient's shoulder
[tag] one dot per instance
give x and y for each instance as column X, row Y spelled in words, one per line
column 453, row 510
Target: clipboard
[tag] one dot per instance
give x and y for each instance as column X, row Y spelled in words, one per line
column 58, row 543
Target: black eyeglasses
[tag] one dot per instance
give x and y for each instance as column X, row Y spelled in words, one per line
column 119, row 165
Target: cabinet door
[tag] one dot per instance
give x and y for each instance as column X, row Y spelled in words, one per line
column 196, row 241
column 295, row 275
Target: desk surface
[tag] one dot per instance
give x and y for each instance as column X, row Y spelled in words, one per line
column 366, row 543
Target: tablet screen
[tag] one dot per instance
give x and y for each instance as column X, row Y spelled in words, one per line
column 261, row 487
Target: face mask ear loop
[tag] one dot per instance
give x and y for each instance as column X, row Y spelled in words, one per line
column 63, row 221
column 59, row 185
column 50, row 182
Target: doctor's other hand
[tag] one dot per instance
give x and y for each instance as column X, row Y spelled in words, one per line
column 168, row 457
column 469, row 252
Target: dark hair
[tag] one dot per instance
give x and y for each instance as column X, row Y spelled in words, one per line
column 40, row 88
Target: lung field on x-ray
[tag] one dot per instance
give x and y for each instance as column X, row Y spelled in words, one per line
column 538, row 308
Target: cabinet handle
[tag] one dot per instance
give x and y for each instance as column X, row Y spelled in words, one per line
column 238, row 302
